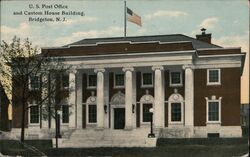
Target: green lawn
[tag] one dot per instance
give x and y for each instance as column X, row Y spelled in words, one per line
column 163, row 150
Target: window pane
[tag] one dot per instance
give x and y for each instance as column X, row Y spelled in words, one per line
column 65, row 113
column 175, row 77
column 34, row 82
column 213, row 111
column 176, row 112
column 119, row 80
column 92, row 80
column 34, row 114
column 65, row 80
column 213, row 75
column 147, row 79
column 92, row 113
column 146, row 113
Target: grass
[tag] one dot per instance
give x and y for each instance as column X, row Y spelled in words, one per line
column 171, row 148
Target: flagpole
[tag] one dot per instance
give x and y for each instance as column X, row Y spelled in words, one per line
column 125, row 19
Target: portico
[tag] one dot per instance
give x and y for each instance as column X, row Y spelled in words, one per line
column 116, row 104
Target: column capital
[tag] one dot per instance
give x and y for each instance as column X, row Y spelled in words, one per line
column 188, row 66
column 102, row 70
column 128, row 69
column 73, row 71
column 157, row 67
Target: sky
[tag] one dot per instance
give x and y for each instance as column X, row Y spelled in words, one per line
column 227, row 20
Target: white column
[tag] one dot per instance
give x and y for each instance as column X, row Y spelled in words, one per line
column 45, row 99
column 158, row 97
column 189, row 95
column 100, row 98
column 128, row 97
column 79, row 100
column 72, row 99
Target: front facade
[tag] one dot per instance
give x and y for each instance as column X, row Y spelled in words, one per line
column 192, row 85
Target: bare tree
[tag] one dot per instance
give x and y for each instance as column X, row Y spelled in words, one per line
column 34, row 77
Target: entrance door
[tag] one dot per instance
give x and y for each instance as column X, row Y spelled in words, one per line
column 119, row 118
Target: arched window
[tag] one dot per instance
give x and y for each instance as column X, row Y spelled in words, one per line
column 146, row 102
column 175, row 108
column 91, row 109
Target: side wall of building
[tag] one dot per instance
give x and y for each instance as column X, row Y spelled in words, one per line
column 229, row 91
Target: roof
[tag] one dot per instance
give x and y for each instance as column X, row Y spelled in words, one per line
column 197, row 44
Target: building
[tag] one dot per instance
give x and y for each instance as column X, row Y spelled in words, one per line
column 192, row 85
column 4, row 104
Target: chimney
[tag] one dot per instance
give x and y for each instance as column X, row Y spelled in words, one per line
column 204, row 37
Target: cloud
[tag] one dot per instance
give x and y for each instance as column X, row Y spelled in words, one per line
column 209, row 23
column 234, row 41
column 22, row 31
column 110, row 31
column 165, row 13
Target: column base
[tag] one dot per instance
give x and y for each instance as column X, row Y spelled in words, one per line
column 128, row 128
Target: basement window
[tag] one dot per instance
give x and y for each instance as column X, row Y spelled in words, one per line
column 213, row 135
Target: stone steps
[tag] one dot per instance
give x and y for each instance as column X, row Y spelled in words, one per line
column 108, row 138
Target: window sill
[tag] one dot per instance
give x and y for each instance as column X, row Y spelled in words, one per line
column 213, row 84
column 119, row 87
column 34, row 89
column 176, row 123
column 91, row 124
column 213, row 123
column 147, row 86
column 176, row 85
column 89, row 87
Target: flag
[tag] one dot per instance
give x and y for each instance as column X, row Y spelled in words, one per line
column 132, row 17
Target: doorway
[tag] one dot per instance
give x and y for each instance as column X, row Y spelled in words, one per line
column 119, row 118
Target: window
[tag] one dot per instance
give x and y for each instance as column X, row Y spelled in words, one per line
column 176, row 112
column 146, row 114
column 65, row 114
column 119, row 80
column 175, row 78
column 34, row 114
column 213, row 76
column 147, row 79
column 92, row 113
column 65, row 81
column 213, row 110
column 34, row 82
column 92, row 81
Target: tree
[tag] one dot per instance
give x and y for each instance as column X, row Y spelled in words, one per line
column 33, row 77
